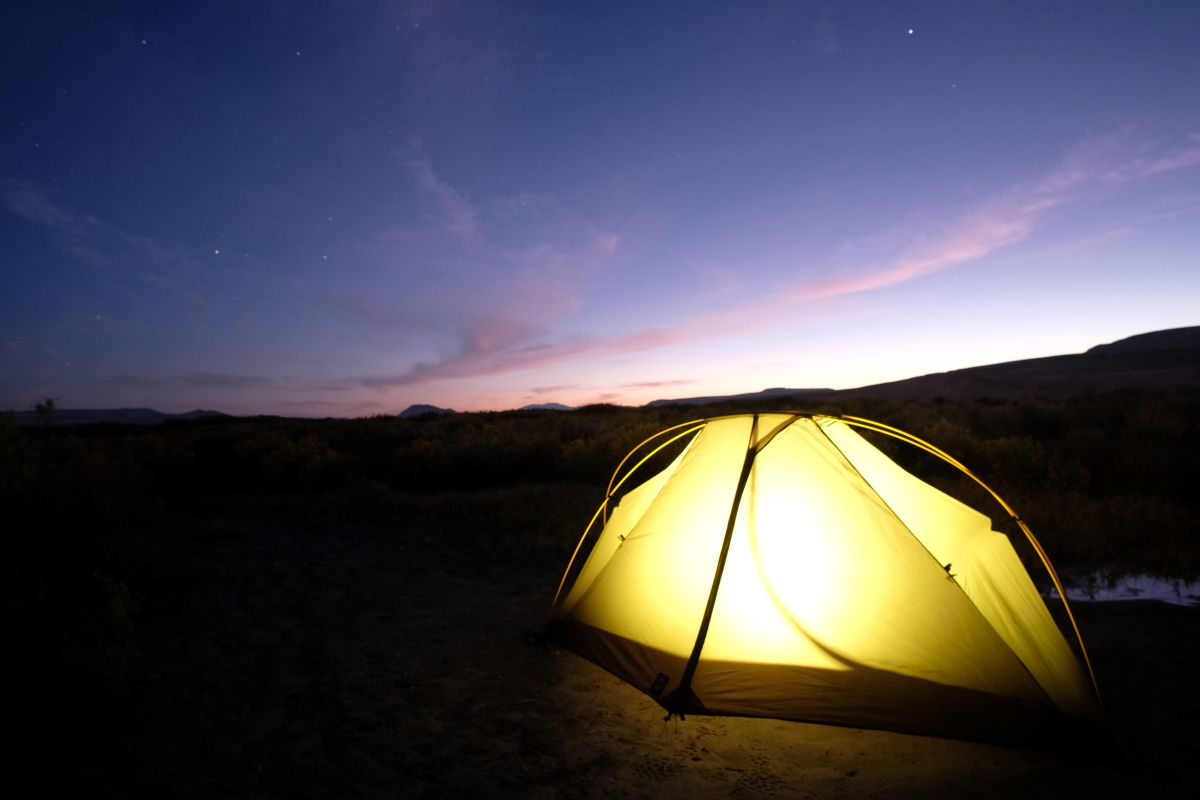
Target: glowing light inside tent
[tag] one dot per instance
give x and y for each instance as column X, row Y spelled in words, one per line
column 830, row 580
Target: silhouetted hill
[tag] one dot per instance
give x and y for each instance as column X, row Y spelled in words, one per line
column 424, row 409
column 739, row 398
column 1160, row 360
column 546, row 407
column 1173, row 340
column 116, row 416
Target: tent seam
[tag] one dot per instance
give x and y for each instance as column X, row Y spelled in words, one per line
column 970, row 600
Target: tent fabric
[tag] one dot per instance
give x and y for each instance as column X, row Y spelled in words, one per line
column 851, row 592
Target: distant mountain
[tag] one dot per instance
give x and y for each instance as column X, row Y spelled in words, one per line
column 546, row 407
column 424, row 410
column 1173, row 340
column 115, row 416
column 1158, row 360
column 738, row 398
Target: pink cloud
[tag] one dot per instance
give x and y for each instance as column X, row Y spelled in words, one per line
column 544, row 390
column 499, row 346
column 517, row 293
column 507, row 317
column 494, row 346
column 460, row 215
column 658, row 384
column 547, row 276
column 1092, row 167
column 1077, row 245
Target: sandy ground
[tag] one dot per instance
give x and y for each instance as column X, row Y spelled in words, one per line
column 280, row 660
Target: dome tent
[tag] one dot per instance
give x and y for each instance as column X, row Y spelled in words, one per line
column 782, row 566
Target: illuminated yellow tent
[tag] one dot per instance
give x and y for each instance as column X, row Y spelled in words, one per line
column 782, row 566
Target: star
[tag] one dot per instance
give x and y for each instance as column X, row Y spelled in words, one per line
column 216, row 252
column 910, row 31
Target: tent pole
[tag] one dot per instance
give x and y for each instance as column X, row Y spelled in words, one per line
column 904, row 436
column 603, row 509
column 678, row 699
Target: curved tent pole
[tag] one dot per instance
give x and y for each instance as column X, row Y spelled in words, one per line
column 697, row 425
column 878, row 427
column 609, row 491
column 904, row 436
column 567, row 571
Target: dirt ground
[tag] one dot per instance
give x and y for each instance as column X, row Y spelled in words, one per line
column 275, row 659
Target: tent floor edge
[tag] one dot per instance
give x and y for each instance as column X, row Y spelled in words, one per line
column 887, row 701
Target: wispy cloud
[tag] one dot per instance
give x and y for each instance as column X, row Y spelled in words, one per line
column 19, row 348
column 658, row 384
column 508, row 347
column 207, row 380
column 510, row 272
column 528, row 259
column 1095, row 167
column 32, row 203
column 1088, row 242
column 544, row 390
column 1107, row 158
column 227, row 381
column 546, row 277
column 458, row 212
column 1092, row 168
column 383, row 313
column 334, row 407
column 98, row 243
column 823, row 38
column 634, row 386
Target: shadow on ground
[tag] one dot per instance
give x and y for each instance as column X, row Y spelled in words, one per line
column 276, row 659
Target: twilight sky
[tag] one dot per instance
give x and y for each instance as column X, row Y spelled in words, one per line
column 339, row 209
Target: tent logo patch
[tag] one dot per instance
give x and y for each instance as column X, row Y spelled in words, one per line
column 659, row 684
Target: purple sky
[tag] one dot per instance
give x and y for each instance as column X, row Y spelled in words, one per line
column 340, row 209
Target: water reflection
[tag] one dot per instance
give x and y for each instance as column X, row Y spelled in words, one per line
column 1099, row 587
